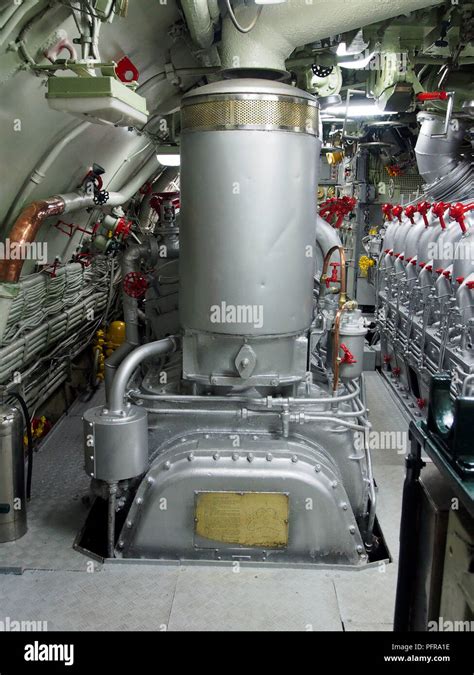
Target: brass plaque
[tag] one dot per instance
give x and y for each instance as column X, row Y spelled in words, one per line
column 258, row 519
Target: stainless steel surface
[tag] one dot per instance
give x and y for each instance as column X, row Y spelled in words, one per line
column 13, row 523
column 320, row 528
column 246, row 255
column 115, row 446
column 58, row 586
column 130, row 364
column 240, row 244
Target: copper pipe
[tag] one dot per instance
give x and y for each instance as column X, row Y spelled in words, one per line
column 343, row 282
column 336, row 359
column 25, row 229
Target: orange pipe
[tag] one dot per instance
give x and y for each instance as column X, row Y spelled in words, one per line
column 343, row 282
column 24, row 231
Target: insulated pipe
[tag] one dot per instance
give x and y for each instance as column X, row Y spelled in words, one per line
column 31, row 218
column 130, row 363
column 199, row 22
column 39, row 172
column 283, row 27
column 25, row 229
column 437, row 156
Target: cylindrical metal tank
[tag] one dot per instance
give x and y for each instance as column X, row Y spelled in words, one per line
column 12, row 475
column 249, row 156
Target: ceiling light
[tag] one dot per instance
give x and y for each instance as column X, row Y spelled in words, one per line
column 358, row 110
column 168, row 155
column 357, row 63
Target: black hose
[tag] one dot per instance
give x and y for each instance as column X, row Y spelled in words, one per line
column 29, row 437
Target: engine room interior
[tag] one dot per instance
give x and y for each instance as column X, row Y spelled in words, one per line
column 237, row 315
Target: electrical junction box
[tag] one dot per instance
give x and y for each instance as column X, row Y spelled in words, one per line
column 102, row 99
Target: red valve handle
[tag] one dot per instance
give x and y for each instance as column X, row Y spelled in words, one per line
column 387, row 211
column 334, row 277
column 158, row 199
column 410, row 213
column 348, row 356
column 439, row 211
column 398, row 211
column 135, row 284
column 458, row 212
column 123, row 227
column 433, row 96
column 423, row 208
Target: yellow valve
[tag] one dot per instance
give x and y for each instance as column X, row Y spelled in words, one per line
column 373, row 231
column 105, row 344
column 365, row 263
column 115, row 336
column 334, row 158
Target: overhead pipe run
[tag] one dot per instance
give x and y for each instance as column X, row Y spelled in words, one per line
column 28, row 223
column 199, row 22
column 283, row 27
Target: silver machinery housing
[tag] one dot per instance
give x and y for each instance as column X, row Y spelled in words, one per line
column 249, row 156
column 252, row 455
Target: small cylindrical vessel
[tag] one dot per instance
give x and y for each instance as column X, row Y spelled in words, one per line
column 13, row 523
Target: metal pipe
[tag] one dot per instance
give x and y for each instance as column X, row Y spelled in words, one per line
column 198, row 20
column 343, row 281
column 24, row 231
column 39, row 172
column 130, row 260
column 284, row 27
column 269, row 401
column 130, row 363
column 111, row 519
column 255, row 413
column 29, row 221
column 466, row 383
column 114, row 361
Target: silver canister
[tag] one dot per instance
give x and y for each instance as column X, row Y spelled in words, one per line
column 13, row 523
column 249, row 157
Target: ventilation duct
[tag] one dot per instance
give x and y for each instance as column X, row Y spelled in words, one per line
column 445, row 169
